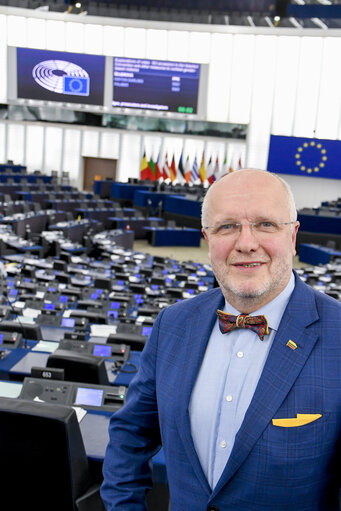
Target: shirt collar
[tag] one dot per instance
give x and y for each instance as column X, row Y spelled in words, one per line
column 274, row 310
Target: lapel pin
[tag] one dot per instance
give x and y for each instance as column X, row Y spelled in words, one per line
column 291, row 344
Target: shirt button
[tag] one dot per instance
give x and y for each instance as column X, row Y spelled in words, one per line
column 240, row 354
column 229, row 398
column 223, row 444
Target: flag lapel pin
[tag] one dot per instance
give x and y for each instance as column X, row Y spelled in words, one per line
column 292, row 344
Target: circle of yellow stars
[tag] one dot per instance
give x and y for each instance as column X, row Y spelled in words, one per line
column 300, row 153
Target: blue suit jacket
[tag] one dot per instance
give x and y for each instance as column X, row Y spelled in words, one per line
column 271, row 467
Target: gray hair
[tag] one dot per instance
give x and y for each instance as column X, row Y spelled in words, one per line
column 290, row 197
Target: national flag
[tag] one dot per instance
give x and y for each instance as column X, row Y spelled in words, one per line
column 152, row 169
column 310, row 157
column 144, row 168
column 210, row 171
column 195, row 172
column 230, row 167
column 187, row 170
column 292, row 344
column 202, row 170
column 216, row 171
column 166, row 169
column 157, row 168
column 172, row 170
column 181, row 173
column 225, row 166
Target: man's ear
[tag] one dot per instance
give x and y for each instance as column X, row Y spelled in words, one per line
column 205, row 234
column 207, row 240
column 293, row 237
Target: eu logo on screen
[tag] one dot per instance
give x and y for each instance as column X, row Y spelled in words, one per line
column 76, row 85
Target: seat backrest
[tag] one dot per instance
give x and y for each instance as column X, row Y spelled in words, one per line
column 44, row 464
column 79, row 367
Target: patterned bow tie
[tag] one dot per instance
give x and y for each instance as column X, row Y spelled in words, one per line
column 228, row 322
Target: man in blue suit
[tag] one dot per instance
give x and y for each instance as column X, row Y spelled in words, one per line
column 246, row 401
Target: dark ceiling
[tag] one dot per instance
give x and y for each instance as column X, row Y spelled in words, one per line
column 321, row 14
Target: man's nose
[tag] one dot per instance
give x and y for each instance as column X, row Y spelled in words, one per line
column 246, row 240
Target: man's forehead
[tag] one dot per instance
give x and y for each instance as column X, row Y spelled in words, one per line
column 246, row 193
column 247, row 180
column 235, row 203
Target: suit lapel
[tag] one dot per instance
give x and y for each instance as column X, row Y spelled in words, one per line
column 279, row 375
column 200, row 325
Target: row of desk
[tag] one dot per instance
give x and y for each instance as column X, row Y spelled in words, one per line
column 24, row 178
column 181, row 203
column 185, row 206
column 11, row 168
column 14, row 190
column 318, row 254
column 124, row 288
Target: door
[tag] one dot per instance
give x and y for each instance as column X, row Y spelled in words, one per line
column 97, row 169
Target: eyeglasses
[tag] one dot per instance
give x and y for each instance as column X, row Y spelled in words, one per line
column 258, row 228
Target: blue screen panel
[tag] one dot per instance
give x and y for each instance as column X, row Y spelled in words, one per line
column 101, row 350
column 90, row 397
column 60, row 76
column 68, row 322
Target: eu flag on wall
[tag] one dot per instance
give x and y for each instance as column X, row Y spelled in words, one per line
column 310, row 157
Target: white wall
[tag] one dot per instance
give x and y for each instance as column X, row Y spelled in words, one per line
column 279, row 81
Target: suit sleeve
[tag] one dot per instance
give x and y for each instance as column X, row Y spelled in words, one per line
column 134, row 437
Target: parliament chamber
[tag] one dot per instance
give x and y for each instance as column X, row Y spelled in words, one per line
column 78, row 301
column 89, row 257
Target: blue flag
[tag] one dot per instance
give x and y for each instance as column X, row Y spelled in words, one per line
column 311, row 157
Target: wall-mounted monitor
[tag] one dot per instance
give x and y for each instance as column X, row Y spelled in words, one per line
column 43, row 75
column 159, row 86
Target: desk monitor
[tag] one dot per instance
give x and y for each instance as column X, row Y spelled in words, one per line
column 102, row 350
column 146, row 330
column 79, row 367
column 68, row 322
column 89, row 396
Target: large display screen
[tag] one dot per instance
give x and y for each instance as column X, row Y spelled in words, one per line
column 156, row 85
column 60, row 76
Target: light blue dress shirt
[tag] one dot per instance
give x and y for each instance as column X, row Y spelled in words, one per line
column 226, row 382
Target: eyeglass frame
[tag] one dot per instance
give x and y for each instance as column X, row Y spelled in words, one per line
column 251, row 224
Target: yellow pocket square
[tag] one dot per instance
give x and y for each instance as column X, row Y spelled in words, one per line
column 301, row 419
